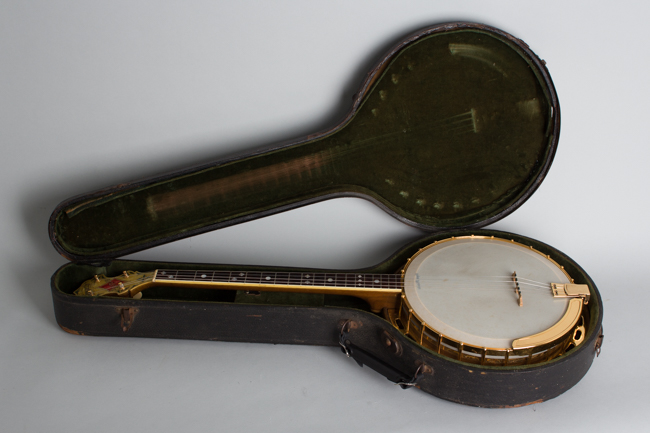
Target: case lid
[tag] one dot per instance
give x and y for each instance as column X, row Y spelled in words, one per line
column 454, row 128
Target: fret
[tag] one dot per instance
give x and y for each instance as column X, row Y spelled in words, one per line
column 185, row 275
column 237, row 277
column 318, row 279
column 295, row 278
column 361, row 280
column 329, row 280
column 315, row 279
column 221, row 277
column 267, row 278
column 307, row 279
column 203, row 276
column 282, row 278
column 166, row 275
column 251, row 277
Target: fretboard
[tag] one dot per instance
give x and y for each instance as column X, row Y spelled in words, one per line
column 316, row 279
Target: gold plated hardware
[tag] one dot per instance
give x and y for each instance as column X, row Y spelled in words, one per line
column 563, row 326
column 570, row 291
column 128, row 284
column 578, row 335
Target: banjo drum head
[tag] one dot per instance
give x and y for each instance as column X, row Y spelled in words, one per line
column 463, row 288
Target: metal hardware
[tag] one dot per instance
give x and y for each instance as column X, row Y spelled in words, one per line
column 414, row 380
column 579, row 332
column 127, row 317
column 344, row 345
column 570, row 291
column 343, row 341
column 563, row 326
column 391, row 343
column 599, row 342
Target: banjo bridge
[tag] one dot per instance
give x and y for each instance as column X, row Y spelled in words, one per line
column 570, row 291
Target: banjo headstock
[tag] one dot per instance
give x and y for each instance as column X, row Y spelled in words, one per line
column 127, row 284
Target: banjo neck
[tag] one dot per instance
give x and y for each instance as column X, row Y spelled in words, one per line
column 380, row 291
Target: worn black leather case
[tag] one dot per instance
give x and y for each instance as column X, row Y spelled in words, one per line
column 453, row 129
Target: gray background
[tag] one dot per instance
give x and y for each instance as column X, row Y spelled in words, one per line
column 97, row 93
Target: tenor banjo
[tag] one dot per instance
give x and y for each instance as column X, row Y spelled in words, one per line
column 478, row 299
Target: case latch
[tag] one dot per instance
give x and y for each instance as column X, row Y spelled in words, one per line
column 127, row 316
column 599, row 342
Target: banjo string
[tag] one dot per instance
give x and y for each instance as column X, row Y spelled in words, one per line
column 485, row 283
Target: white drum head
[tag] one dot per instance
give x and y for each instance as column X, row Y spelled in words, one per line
column 463, row 289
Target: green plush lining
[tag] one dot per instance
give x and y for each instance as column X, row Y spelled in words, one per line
column 453, row 132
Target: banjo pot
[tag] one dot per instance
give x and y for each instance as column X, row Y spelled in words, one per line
column 490, row 301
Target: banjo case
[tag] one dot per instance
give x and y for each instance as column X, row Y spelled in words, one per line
column 457, row 126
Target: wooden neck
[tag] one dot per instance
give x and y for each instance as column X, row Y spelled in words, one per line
column 379, row 290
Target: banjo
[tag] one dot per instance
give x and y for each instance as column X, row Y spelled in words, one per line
column 477, row 299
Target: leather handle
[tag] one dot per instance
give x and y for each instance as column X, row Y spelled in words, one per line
column 364, row 357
